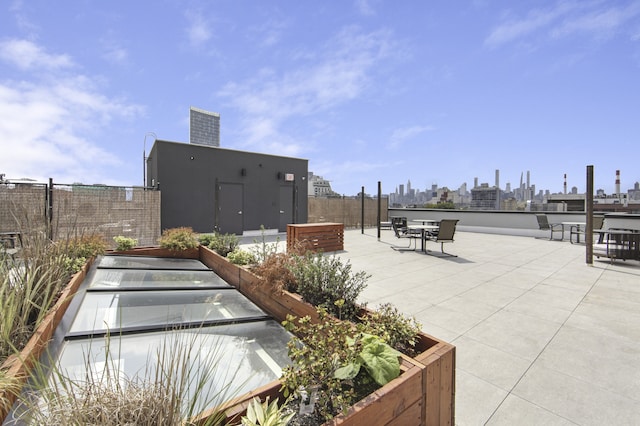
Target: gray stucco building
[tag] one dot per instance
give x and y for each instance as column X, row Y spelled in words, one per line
column 211, row 188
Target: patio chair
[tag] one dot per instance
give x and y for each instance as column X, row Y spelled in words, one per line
column 445, row 234
column 598, row 222
column 544, row 225
column 399, row 225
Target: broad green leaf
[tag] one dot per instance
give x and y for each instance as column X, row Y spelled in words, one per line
column 381, row 362
column 347, row 372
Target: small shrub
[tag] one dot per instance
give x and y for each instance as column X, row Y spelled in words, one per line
column 125, row 243
column 85, row 246
column 241, row 257
column 275, row 271
column 179, row 239
column 73, row 264
column 223, row 244
column 205, row 239
column 397, row 330
column 323, row 281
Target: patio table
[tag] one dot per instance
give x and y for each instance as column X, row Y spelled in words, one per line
column 423, row 231
column 427, row 221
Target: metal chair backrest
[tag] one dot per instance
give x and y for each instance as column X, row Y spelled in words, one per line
column 399, row 225
column 543, row 222
column 447, row 229
column 598, row 221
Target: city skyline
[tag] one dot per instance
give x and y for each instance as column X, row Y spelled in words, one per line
column 366, row 90
column 527, row 181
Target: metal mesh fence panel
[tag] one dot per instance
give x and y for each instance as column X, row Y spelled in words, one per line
column 106, row 210
column 347, row 211
column 23, row 207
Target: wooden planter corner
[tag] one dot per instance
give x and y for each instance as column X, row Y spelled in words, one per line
column 19, row 366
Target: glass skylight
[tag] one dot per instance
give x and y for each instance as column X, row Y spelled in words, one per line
column 148, row 310
column 132, row 278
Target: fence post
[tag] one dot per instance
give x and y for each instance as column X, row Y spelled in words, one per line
column 50, row 208
column 589, row 231
column 362, row 212
column 379, row 218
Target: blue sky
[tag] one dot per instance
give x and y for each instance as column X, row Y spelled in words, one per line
column 436, row 92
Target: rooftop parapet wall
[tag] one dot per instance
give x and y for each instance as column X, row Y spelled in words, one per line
column 511, row 223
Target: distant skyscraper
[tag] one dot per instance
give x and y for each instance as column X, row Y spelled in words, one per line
column 204, row 127
column 497, row 178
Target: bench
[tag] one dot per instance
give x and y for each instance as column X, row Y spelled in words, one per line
column 316, row 236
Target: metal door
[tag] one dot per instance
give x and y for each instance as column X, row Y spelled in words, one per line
column 286, row 207
column 230, row 208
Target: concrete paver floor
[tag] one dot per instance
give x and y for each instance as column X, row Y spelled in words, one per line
column 541, row 337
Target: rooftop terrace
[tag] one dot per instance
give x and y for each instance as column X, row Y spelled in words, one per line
column 541, row 337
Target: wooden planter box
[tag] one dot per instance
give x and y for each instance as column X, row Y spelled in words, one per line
column 19, row 367
column 316, row 236
column 435, row 357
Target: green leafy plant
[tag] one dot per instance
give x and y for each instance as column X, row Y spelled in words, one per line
column 323, row 280
column 379, row 359
column 396, row 329
column 266, row 414
column 222, row 244
column 241, row 257
column 328, row 355
column 179, row 239
column 124, row 243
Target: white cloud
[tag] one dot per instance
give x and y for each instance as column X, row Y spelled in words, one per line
column 198, row 31
column 399, row 136
column 27, row 55
column 601, row 23
column 48, row 125
column 338, row 74
column 269, row 33
column 364, row 7
column 564, row 19
column 114, row 53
